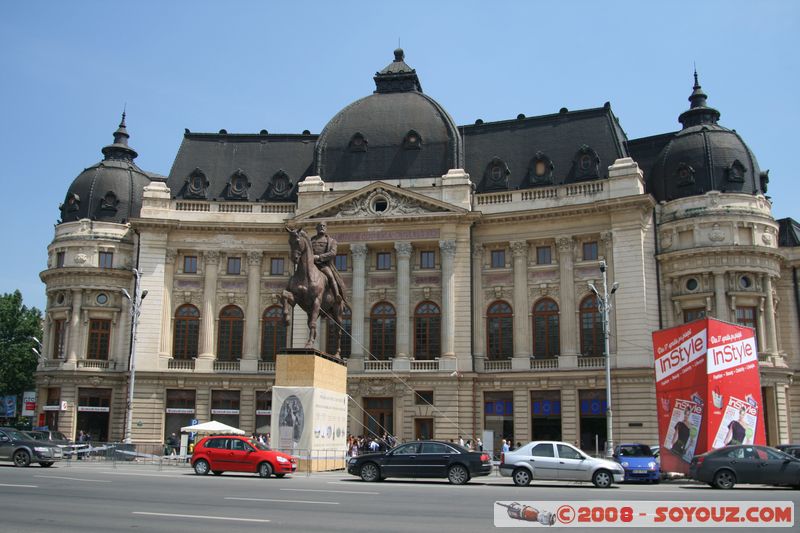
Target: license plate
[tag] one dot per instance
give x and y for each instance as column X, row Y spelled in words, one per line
column 640, row 471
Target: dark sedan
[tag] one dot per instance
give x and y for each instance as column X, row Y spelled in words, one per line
column 22, row 450
column 422, row 459
column 725, row 467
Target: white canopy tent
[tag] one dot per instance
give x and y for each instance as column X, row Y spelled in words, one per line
column 212, row 428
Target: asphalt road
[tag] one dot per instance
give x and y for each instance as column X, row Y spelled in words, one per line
column 89, row 497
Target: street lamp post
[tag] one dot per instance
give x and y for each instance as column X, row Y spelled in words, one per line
column 604, row 304
column 136, row 311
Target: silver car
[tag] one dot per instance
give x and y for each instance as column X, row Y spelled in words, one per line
column 552, row 460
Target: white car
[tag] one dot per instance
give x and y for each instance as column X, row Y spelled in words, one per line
column 559, row 461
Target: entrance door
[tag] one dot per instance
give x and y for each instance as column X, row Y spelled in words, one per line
column 378, row 416
column 423, row 428
column 94, row 410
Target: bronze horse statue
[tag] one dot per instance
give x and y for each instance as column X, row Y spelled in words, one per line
column 309, row 288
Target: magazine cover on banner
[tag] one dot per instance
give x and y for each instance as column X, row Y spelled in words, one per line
column 708, row 390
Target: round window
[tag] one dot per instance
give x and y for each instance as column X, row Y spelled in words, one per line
column 380, row 205
column 691, row 284
column 197, row 183
column 238, row 185
column 745, row 282
column 102, row 298
column 540, row 168
column 586, row 162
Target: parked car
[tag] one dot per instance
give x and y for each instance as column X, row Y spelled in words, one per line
column 233, row 453
column 422, row 459
column 639, row 462
column 22, row 450
column 791, row 449
column 552, row 460
column 725, row 467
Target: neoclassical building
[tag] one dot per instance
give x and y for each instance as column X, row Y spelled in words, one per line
column 467, row 251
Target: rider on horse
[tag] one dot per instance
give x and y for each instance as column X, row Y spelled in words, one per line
column 324, row 247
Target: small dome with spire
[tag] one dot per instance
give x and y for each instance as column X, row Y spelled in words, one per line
column 111, row 190
column 704, row 156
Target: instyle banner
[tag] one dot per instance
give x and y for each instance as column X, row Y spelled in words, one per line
column 708, row 390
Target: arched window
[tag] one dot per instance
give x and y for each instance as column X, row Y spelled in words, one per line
column 231, row 330
column 382, row 330
column 427, row 331
column 499, row 331
column 187, row 332
column 591, row 327
column 347, row 324
column 273, row 333
column 545, row 329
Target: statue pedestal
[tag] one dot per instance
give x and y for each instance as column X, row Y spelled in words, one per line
column 309, row 409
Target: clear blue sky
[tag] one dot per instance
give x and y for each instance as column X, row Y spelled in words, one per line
column 69, row 67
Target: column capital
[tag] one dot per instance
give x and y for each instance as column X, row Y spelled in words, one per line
column 404, row 249
column 254, row 258
column 606, row 237
column 211, row 256
column 358, row 250
column 170, row 255
column 565, row 244
column 477, row 251
column 519, row 248
column 448, row 247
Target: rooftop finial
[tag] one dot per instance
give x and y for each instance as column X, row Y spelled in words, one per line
column 120, row 148
column 399, row 55
column 696, row 83
column 699, row 112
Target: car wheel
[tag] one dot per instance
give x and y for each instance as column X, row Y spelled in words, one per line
column 217, row 472
column 370, row 472
column 22, row 458
column 201, row 467
column 522, row 477
column 724, row 479
column 602, row 479
column 265, row 469
column 279, row 475
column 46, row 464
column 458, row 475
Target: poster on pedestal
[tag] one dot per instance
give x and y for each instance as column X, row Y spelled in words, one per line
column 708, row 390
column 311, row 422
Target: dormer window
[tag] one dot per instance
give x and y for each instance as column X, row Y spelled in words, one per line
column 541, row 170
column 412, row 141
column 73, row 202
column 495, row 177
column 586, row 164
column 736, row 172
column 358, row 143
column 685, row 175
column 109, row 202
column 279, row 187
column 196, row 185
column 238, row 185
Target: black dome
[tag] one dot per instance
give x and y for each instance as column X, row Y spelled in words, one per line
column 704, row 156
column 397, row 132
column 111, row 190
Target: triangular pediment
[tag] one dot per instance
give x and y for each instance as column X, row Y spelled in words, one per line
column 381, row 200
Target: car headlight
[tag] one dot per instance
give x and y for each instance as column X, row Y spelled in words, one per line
column 282, row 459
column 651, row 464
column 625, row 463
column 352, row 461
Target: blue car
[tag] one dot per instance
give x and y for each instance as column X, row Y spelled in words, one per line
column 639, row 462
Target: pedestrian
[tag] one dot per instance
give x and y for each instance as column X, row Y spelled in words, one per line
column 479, row 443
column 505, row 447
column 460, row 441
column 172, row 444
column 81, row 440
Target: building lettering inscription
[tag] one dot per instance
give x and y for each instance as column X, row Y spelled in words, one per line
column 399, row 235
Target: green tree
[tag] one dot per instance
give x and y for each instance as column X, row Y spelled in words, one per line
column 18, row 325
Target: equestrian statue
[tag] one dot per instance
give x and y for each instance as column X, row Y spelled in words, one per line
column 315, row 284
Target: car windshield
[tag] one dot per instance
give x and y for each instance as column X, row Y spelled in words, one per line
column 57, row 435
column 16, row 435
column 635, row 450
column 35, row 435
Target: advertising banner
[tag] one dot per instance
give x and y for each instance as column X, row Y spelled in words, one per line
column 29, row 403
column 10, row 406
column 310, row 421
column 708, row 390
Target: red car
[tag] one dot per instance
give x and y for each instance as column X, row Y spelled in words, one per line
column 231, row 453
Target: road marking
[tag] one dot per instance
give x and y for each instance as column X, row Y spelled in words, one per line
column 20, row 486
column 144, row 475
column 280, row 501
column 77, row 479
column 204, row 517
column 336, row 491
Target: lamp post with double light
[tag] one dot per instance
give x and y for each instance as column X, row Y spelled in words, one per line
column 136, row 311
column 604, row 305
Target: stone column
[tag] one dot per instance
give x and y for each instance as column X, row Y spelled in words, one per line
column 73, row 343
column 448, row 251
column 669, row 314
column 769, row 316
column 358, row 252
column 165, row 347
column 208, row 319
column 568, row 308
column 478, row 327
column 721, row 308
column 403, row 292
column 522, row 348
column 252, row 317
